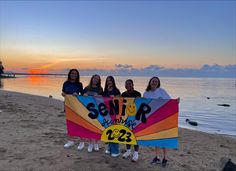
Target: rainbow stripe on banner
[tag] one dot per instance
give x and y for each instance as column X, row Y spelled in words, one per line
column 141, row 121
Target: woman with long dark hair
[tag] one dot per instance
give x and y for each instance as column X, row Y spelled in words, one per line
column 154, row 91
column 111, row 91
column 93, row 89
column 72, row 86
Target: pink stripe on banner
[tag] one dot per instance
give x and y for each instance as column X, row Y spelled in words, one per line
column 75, row 130
column 170, row 108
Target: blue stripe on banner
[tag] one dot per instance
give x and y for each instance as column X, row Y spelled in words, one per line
column 85, row 100
column 138, row 102
column 162, row 143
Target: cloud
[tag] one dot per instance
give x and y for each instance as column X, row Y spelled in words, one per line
column 156, row 70
column 153, row 68
column 218, row 68
column 215, row 67
column 123, row 66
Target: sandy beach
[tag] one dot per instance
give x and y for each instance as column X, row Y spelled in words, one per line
column 33, row 132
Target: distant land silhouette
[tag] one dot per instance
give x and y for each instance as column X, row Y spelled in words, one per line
column 215, row 71
column 40, row 74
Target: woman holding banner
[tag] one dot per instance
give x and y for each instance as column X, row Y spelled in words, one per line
column 72, row 86
column 93, row 89
column 154, row 91
column 130, row 92
column 111, row 91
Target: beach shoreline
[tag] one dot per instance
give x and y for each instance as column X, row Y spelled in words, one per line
column 33, row 132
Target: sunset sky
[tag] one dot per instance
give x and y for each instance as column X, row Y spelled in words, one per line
column 45, row 36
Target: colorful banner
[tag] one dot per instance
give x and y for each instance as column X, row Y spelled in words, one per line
column 141, row 121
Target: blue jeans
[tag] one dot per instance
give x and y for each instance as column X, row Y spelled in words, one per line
column 113, row 148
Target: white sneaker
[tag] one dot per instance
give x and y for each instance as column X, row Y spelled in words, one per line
column 90, row 148
column 69, row 144
column 127, row 154
column 135, row 156
column 81, row 146
column 96, row 148
column 107, row 151
column 115, row 155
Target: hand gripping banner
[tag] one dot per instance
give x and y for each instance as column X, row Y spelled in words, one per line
column 137, row 121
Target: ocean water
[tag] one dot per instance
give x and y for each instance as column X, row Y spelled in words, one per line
column 193, row 93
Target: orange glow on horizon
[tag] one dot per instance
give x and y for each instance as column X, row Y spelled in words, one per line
column 35, row 80
column 37, row 71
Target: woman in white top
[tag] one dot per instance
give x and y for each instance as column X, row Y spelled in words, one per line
column 154, row 91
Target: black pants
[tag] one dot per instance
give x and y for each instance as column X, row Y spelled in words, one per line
column 136, row 147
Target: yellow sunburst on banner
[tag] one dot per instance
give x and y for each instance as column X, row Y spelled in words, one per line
column 118, row 134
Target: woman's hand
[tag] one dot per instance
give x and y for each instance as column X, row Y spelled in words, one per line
column 178, row 99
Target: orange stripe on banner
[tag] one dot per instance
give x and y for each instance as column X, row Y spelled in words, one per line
column 73, row 117
column 168, row 123
column 170, row 133
column 74, row 104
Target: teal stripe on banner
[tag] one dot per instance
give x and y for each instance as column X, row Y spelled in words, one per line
column 85, row 100
column 162, row 143
column 138, row 102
